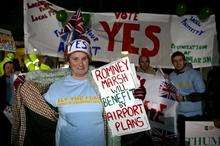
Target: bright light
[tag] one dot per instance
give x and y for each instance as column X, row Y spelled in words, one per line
column 124, row 52
column 65, row 66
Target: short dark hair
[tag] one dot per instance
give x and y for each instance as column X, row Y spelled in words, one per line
column 178, row 53
column 139, row 61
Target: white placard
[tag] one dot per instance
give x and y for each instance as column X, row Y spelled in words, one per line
column 116, row 82
column 202, row 133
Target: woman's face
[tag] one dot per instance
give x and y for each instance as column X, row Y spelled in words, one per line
column 79, row 63
column 8, row 69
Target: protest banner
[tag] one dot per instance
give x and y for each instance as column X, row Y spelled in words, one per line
column 153, row 35
column 6, row 41
column 202, row 133
column 40, row 24
column 123, row 112
column 198, row 41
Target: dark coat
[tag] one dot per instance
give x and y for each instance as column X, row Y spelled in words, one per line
column 3, row 93
column 213, row 89
column 5, row 126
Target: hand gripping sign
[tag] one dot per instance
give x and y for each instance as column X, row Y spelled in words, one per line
column 116, row 82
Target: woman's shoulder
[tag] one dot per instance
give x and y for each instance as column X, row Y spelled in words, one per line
column 59, row 83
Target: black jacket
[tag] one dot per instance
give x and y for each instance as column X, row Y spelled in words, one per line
column 213, row 89
column 3, row 92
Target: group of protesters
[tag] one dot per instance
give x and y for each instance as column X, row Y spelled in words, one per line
column 41, row 115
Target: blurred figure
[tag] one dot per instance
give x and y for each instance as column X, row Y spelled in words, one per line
column 7, row 83
column 8, row 58
column 144, row 66
column 17, row 68
column 6, row 99
column 44, row 63
column 191, row 88
column 213, row 89
column 140, row 138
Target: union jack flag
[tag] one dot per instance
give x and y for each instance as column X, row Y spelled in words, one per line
column 75, row 23
column 167, row 90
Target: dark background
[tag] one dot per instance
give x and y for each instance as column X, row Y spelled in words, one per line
column 11, row 11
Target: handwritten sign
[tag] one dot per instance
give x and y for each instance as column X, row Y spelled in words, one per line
column 44, row 10
column 116, row 82
column 127, row 120
column 6, row 41
column 114, row 74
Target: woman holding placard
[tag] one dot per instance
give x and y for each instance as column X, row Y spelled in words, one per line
column 80, row 120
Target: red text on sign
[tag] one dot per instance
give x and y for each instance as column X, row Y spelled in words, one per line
column 128, row 40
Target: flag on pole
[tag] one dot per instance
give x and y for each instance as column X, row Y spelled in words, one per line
column 75, row 23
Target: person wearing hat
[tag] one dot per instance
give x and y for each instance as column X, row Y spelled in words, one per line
column 80, row 121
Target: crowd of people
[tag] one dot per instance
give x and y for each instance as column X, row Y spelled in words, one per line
column 66, row 109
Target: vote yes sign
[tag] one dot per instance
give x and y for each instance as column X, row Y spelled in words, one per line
column 122, row 31
column 128, row 40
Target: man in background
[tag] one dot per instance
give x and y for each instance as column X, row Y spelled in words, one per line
column 6, row 99
column 140, row 138
column 144, row 66
column 190, row 93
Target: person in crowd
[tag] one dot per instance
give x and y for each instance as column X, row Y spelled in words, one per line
column 190, row 93
column 213, row 88
column 80, row 110
column 24, row 69
column 17, row 67
column 144, row 65
column 6, row 99
column 43, row 63
column 140, row 138
column 8, row 58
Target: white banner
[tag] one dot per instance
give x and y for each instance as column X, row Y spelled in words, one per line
column 153, row 35
column 197, row 38
column 202, row 133
column 40, row 27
